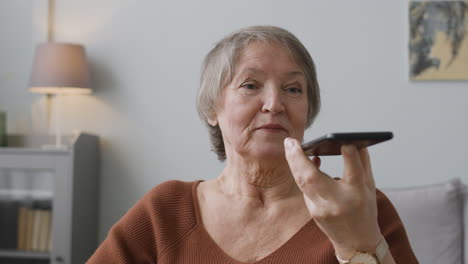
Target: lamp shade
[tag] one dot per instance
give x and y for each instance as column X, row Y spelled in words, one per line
column 60, row 68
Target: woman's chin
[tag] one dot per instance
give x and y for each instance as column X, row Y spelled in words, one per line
column 269, row 153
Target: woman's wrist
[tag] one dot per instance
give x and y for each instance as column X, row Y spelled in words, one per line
column 345, row 252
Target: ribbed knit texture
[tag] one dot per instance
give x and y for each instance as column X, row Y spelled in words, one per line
column 165, row 227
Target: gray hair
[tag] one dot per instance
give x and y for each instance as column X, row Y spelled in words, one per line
column 220, row 63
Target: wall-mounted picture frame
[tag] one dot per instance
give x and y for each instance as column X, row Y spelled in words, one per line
column 438, row 41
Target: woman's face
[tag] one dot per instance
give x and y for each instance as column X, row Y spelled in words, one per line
column 265, row 103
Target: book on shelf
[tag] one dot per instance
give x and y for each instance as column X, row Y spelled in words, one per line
column 44, row 237
column 28, row 231
column 35, row 229
column 25, row 225
column 21, row 228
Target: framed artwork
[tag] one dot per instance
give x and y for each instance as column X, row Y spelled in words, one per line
column 438, row 44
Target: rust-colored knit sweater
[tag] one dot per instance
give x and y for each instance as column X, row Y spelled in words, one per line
column 165, row 227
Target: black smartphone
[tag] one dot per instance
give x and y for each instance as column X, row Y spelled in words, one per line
column 330, row 144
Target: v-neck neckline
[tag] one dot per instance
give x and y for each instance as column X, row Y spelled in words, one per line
column 283, row 247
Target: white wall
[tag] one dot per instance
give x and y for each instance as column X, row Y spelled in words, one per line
column 15, row 55
column 145, row 59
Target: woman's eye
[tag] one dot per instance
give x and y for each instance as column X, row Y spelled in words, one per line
column 249, row 86
column 294, row 90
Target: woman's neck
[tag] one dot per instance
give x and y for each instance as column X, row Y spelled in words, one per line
column 259, row 182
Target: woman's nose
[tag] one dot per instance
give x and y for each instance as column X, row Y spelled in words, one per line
column 272, row 101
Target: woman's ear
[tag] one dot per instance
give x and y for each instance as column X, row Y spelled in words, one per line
column 213, row 121
column 212, row 118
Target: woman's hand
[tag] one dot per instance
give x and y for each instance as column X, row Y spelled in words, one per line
column 346, row 209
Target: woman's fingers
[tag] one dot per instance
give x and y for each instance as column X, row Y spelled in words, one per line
column 357, row 166
column 306, row 172
column 346, row 211
column 353, row 167
column 366, row 163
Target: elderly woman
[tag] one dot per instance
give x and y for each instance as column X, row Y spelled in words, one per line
column 271, row 203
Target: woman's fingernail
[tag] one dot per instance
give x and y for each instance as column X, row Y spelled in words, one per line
column 288, row 143
column 316, row 160
column 349, row 149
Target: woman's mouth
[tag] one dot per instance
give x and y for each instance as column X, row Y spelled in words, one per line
column 273, row 128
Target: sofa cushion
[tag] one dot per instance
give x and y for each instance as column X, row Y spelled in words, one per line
column 433, row 218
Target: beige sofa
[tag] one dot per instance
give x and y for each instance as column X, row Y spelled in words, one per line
column 435, row 220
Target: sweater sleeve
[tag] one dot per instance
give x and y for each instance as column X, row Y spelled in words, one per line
column 151, row 227
column 394, row 232
column 131, row 239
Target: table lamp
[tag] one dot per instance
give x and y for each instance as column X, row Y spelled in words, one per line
column 59, row 68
